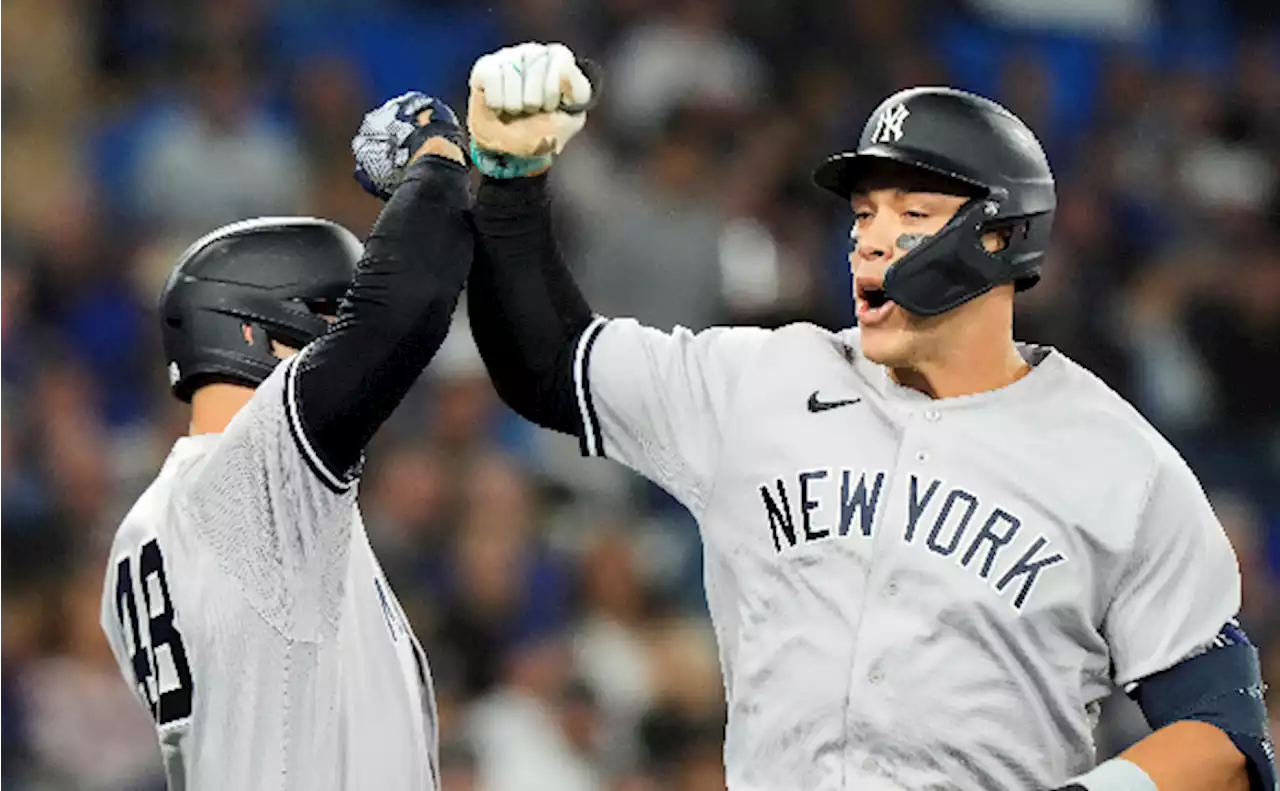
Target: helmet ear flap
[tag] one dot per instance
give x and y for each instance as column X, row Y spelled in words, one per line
column 1026, row 248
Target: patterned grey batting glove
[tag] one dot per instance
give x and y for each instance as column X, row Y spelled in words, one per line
column 389, row 135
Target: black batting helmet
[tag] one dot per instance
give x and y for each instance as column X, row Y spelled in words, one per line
column 273, row 275
column 998, row 161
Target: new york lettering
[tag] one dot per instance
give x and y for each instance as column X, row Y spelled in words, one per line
column 950, row 522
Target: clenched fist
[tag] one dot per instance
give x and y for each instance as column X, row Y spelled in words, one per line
column 526, row 103
column 397, row 133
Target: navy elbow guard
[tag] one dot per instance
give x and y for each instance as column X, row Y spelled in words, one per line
column 1222, row 687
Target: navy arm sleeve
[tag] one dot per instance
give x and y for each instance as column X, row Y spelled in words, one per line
column 395, row 315
column 1221, row 686
column 526, row 311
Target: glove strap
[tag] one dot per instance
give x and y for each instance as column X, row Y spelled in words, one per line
column 436, row 128
column 505, row 166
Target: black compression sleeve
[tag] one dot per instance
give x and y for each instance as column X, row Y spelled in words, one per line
column 526, row 312
column 395, row 316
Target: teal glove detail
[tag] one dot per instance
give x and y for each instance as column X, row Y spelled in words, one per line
column 505, row 166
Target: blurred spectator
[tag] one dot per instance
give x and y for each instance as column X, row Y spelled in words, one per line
column 523, row 738
column 463, row 407
column 218, row 158
column 85, row 306
column 652, row 252
column 87, row 728
column 25, row 499
column 406, row 501
column 1228, row 172
column 688, row 56
column 1070, row 308
column 497, row 583
column 24, row 622
column 458, row 769
column 1257, row 78
column 1028, row 91
column 74, row 454
column 14, row 291
column 1236, row 327
column 1112, row 18
column 1260, row 584
column 326, row 94
column 1271, row 669
column 700, row 765
column 689, row 703
column 574, row 24
column 611, row 645
column 48, row 87
column 1173, row 384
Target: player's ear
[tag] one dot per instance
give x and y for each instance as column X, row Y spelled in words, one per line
column 995, row 241
column 247, row 332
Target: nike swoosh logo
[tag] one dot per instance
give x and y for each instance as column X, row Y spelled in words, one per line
column 822, row 406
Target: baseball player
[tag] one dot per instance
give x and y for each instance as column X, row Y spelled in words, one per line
column 931, row 552
column 242, row 599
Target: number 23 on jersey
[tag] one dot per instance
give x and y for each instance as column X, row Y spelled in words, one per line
column 157, row 655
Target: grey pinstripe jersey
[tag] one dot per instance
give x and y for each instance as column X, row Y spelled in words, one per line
column 911, row 593
column 249, row 614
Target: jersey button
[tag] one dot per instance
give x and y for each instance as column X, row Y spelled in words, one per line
column 891, row 588
column 875, row 676
column 933, row 416
column 921, row 456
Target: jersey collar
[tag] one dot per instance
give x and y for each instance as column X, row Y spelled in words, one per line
column 1046, row 374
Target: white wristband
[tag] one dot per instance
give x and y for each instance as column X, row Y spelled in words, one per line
column 1117, row 775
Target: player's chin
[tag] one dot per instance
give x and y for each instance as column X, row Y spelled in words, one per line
column 888, row 342
column 886, row 345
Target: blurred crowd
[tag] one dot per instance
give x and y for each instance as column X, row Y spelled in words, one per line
column 560, row 600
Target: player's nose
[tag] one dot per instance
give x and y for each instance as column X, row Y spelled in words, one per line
column 872, row 242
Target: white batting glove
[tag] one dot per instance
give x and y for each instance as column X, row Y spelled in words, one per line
column 526, row 103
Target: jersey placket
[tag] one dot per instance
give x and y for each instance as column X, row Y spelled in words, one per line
column 872, row 678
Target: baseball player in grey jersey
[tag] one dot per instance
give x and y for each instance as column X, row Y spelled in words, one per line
column 242, row 600
column 931, row 552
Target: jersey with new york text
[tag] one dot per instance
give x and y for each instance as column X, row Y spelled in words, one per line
column 911, row 593
column 247, row 610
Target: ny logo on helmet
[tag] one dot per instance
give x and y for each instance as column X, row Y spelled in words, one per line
column 889, row 124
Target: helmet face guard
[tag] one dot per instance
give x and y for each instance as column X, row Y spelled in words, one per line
column 992, row 157
column 946, row 269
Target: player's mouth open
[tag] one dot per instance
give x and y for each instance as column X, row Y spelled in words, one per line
column 874, row 305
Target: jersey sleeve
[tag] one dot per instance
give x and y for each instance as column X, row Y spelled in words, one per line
column 1181, row 583
column 657, row 401
column 275, row 517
